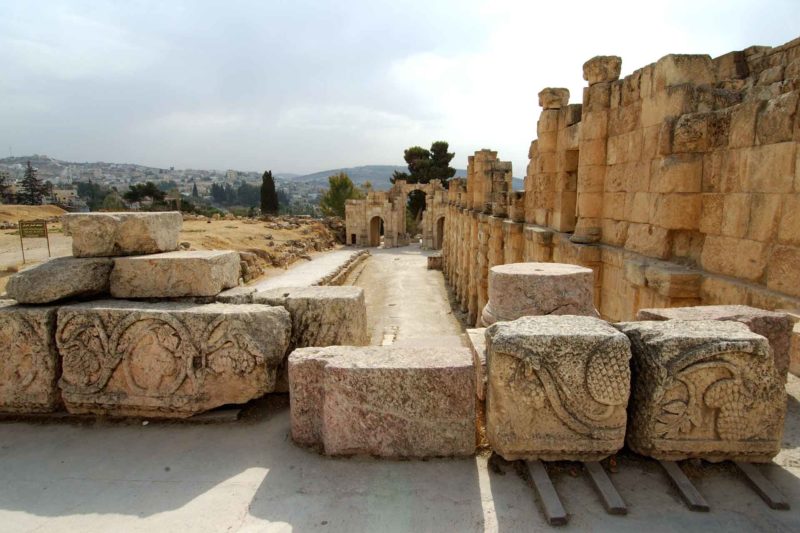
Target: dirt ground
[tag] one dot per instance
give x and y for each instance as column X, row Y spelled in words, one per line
column 275, row 243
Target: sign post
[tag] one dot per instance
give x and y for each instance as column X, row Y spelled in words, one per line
column 33, row 229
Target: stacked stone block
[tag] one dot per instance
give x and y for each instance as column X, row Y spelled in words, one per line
column 167, row 358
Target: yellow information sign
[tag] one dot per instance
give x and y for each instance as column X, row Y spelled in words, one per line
column 33, row 229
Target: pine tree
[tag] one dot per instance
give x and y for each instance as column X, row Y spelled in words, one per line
column 340, row 189
column 195, row 194
column 4, row 187
column 32, row 187
column 269, row 197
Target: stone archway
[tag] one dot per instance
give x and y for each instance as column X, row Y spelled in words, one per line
column 376, row 230
column 438, row 234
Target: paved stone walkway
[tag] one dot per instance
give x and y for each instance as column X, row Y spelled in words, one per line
column 406, row 303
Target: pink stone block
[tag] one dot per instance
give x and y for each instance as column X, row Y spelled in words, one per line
column 386, row 401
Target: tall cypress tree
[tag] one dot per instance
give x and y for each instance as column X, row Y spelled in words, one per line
column 269, row 197
column 32, row 187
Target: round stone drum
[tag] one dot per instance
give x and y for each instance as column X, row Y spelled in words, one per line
column 532, row 289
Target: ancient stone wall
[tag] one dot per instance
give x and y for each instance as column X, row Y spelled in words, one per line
column 678, row 185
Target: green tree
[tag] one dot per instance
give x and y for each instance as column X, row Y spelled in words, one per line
column 33, row 190
column 140, row 191
column 423, row 166
column 4, row 187
column 113, row 202
column 340, row 189
column 195, row 194
column 269, row 196
column 92, row 193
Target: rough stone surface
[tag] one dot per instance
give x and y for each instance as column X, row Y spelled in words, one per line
column 776, row 327
column 322, row 316
column 435, row 262
column 167, row 359
column 28, row 359
column 386, row 401
column 114, row 234
column 602, row 69
column 477, row 343
column 558, row 388
column 60, row 278
column 553, row 98
column 175, row 274
column 703, row 389
column 532, row 289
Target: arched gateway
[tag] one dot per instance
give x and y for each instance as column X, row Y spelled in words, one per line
column 384, row 213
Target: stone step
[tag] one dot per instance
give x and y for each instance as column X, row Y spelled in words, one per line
column 322, row 316
column 61, row 278
column 113, row 234
column 175, row 274
column 168, row 359
column 385, row 401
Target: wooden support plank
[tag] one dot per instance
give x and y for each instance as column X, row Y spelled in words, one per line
column 553, row 510
column 768, row 492
column 693, row 499
column 611, row 499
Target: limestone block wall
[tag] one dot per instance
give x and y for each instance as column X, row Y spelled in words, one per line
column 679, row 184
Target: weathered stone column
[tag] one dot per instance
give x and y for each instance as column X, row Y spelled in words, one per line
column 599, row 71
column 513, row 241
column 495, row 241
column 474, row 269
column 484, row 235
column 532, row 289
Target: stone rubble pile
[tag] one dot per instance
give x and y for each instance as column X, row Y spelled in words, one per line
column 164, row 348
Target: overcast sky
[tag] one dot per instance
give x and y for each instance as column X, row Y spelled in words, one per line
column 301, row 86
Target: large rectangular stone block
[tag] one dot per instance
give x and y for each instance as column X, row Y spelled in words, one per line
column 28, row 359
column 703, row 389
column 60, row 278
column 322, row 316
column 175, row 274
column 776, row 327
column 558, row 388
column 167, row 360
column 386, row 401
column 113, row 234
